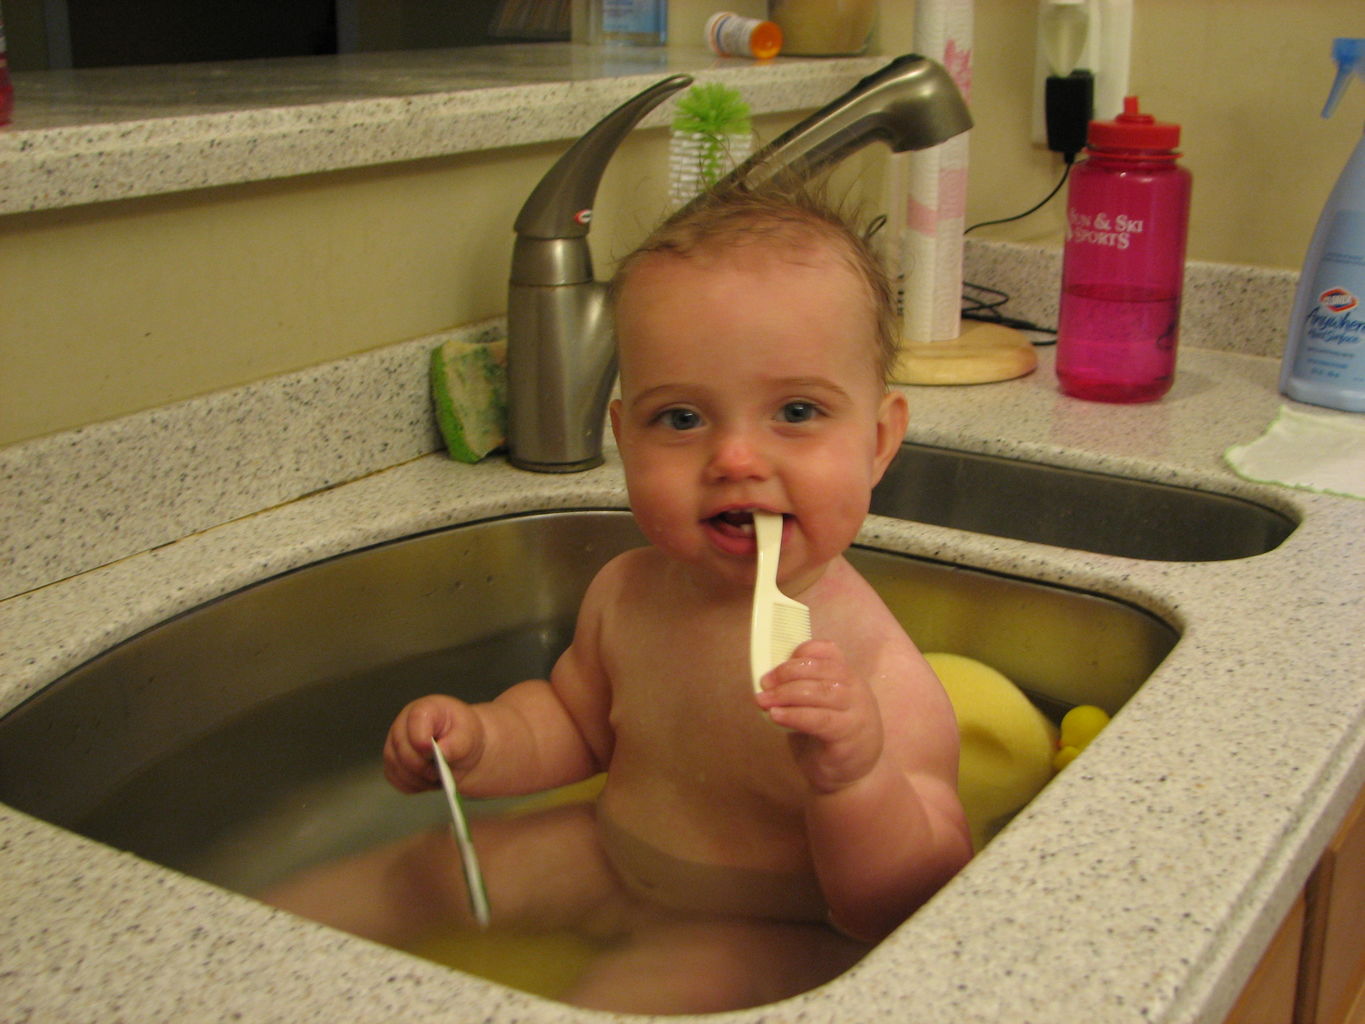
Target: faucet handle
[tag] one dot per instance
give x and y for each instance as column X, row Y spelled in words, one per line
column 561, row 205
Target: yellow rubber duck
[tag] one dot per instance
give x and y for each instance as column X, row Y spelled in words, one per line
column 1080, row 725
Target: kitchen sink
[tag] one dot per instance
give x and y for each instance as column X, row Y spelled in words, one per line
column 240, row 742
column 1072, row 508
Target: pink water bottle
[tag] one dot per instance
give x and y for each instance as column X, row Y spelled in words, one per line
column 1128, row 206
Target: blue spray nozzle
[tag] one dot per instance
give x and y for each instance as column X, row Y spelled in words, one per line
column 1350, row 57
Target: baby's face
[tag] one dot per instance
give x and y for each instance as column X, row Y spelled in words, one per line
column 749, row 381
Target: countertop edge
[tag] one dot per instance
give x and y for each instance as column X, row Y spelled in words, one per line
column 154, row 149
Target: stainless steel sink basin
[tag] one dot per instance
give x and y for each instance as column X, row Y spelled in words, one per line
column 241, row 741
column 1073, row 508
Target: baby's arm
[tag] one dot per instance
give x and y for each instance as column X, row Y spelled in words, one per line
column 884, row 822
column 537, row 734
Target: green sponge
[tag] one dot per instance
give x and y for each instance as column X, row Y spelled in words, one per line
column 469, row 387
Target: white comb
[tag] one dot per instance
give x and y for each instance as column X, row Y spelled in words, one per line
column 780, row 624
column 469, row 860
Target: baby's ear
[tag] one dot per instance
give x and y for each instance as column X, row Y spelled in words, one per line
column 614, row 410
column 892, row 418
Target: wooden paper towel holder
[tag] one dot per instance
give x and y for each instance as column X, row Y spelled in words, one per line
column 981, row 354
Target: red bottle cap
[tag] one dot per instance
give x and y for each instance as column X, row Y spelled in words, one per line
column 1133, row 130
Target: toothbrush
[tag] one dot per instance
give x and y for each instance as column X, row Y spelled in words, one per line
column 779, row 624
column 469, row 860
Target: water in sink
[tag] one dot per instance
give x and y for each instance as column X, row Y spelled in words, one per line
column 241, row 742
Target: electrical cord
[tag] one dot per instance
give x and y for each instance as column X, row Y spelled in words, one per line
column 1068, row 106
column 1066, row 173
column 986, row 305
column 987, row 309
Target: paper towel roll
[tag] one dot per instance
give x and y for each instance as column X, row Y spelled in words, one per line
column 928, row 189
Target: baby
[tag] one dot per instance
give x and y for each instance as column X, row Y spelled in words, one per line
column 745, row 847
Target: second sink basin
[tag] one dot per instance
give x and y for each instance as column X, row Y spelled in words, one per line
column 1073, row 508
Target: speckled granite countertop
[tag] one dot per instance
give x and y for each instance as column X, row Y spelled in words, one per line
column 92, row 135
column 1140, row 886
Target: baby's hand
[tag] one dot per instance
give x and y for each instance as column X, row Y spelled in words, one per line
column 833, row 713
column 407, row 752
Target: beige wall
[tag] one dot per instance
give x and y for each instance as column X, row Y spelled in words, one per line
column 130, row 305
column 119, row 307
column 1246, row 80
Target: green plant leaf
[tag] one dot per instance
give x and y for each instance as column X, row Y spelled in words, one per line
column 712, row 109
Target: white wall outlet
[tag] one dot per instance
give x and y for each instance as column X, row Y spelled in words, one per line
column 1106, row 55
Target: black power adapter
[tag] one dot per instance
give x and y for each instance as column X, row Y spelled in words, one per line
column 1068, row 103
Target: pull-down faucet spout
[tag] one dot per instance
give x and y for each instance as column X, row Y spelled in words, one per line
column 912, row 103
column 561, row 356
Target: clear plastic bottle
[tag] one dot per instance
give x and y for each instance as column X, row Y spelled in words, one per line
column 632, row 22
column 1123, row 266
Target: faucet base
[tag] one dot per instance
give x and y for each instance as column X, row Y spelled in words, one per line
column 556, row 467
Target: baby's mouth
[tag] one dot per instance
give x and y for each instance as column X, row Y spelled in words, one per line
column 734, row 522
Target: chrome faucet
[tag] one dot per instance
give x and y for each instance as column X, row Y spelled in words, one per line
column 561, row 354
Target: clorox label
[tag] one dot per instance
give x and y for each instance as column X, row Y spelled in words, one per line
column 1331, row 347
column 1337, row 300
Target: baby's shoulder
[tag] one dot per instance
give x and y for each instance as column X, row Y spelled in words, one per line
column 629, row 567
column 623, row 577
column 857, row 617
column 847, row 590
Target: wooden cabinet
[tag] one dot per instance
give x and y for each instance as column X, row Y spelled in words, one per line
column 1313, row 971
column 1334, row 930
column 1270, row 992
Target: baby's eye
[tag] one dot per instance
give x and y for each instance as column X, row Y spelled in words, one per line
column 799, row 412
column 680, row 419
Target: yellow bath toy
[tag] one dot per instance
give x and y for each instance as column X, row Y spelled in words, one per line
column 1007, row 743
column 1080, row 725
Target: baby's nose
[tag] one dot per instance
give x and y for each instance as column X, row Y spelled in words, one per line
column 739, row 454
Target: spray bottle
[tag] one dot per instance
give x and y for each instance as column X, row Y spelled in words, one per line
column 1324, row 357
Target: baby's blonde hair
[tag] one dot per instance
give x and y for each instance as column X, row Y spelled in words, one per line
column 783, row 213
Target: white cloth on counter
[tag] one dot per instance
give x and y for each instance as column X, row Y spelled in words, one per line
column 1323, row 452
